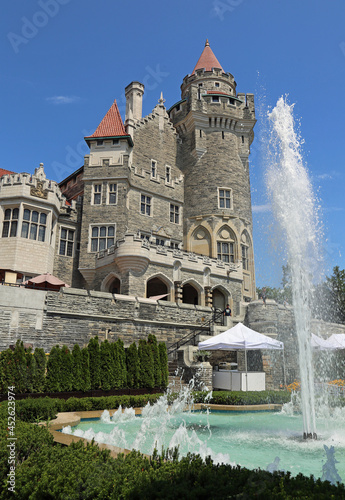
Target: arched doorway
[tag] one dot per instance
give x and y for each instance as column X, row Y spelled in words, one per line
column 190, row 294
column 156, row 287
column 218, row 299
column 115, row 286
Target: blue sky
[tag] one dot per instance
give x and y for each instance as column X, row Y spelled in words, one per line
column 65, row 61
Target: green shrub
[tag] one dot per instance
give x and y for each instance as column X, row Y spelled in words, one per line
column 20, row 368
column 244, row 398
column 41, row 362
column 157, row 373
column 163, row 356
column 31, row 369
column 85, row 370
column 122, row 364
column 53, row 382
column 66, row 369
column 77, row 368
column 107, row 366
column 94, row 358
column 146, row 365
column 133, row 367
column 7, row 371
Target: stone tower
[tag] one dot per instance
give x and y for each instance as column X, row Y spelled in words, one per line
column 215, row 125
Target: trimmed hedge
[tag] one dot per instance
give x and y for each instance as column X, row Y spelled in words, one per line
column 105, row 366
column 44, row 470
column 32, row 410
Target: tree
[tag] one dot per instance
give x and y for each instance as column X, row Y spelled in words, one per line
column 31, row 368
column 94, row 357
column 7, row 370
column 66, row 369
column 122, row 363
column 133, row 366
column 152, row 342
column 147, row 379
column 163, row 355
column 336, row 284
column 20, row 369
column 85, row 370
column 41, row 362
column 53, row 377
column 107, row 366
column 77, row 377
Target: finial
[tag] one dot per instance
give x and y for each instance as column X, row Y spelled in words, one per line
column 161, row 100
column 207, row 43
column 41, row 164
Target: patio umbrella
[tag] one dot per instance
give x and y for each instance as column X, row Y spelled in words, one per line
column 45, row 282
column 322, row 344
column 338, row 340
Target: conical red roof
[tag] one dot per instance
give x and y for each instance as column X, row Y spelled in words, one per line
column 207, row 60
column 111, row 125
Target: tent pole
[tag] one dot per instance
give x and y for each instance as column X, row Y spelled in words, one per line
column 284, row 367
column 245, row 364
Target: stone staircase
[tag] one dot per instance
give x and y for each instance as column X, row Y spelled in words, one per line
column 174, row 376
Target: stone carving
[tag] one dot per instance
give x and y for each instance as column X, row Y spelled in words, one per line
column 38, row 191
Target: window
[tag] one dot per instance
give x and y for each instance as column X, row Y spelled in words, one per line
column 245, row 263
column 224, row 198
column 216, row 84
column 242, row 139
column 159, row 241
column 145, row 237
column 112, row 194
column 102, row 237
column 105, row 162
column 225, row 251
column 10, row 224
column 34, row 225
column 116, row 142
column 66, row 242
column 145, row 205
column 167, row 174
column 99, row 142
column 174, row 213
column 215, row 98
column 153, row 169
column 174, row 244
column 97, row 194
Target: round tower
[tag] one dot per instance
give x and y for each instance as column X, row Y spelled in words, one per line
column 215, row 125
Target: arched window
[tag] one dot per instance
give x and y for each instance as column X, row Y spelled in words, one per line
column 190, row 294
column 226, row 245
column 156, row 289
column 245, row 250
column 115, row 286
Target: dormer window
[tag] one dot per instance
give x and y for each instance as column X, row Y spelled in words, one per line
column 153, row 169
column 99, row 142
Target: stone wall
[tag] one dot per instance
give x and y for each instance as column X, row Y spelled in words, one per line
column 72, row 316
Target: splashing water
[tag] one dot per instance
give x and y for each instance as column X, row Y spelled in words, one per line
column 294, row 207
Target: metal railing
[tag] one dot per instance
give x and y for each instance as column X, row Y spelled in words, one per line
column 197, row 330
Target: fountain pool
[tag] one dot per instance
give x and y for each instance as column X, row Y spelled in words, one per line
column 266, row 440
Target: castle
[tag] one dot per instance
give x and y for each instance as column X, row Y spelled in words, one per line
column 160, row 209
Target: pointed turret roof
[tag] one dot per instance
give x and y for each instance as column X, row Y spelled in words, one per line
column 111, row 125
column 207, row 60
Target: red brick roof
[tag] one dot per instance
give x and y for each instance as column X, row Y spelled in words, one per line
column 111, row 125
column 5, row 172
column 207, row 60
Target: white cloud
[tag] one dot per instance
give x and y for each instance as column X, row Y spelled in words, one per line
column 261, row 208
column 333, row 209
column 62, row 99
column 324, row 177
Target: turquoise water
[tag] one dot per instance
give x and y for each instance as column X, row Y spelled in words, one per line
column 250, row 439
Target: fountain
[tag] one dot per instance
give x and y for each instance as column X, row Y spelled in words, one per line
column 294, row 207
column 269, row 440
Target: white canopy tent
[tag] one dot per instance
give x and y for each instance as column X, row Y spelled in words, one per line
column 338, row 340
column 323, row 344
column 240, row 337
